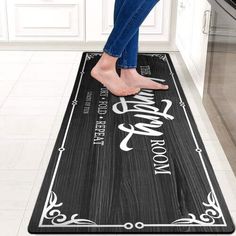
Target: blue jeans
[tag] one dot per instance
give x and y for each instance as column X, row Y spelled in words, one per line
column 123, row 39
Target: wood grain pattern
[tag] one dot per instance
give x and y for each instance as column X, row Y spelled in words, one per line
column 133, row 164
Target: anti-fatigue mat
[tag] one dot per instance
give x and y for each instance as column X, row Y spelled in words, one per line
column 134, row 164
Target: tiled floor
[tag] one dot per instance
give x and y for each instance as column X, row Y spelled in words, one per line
column 35, row 87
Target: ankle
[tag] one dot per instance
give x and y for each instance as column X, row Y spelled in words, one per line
column 128, row 71
column 107, row 62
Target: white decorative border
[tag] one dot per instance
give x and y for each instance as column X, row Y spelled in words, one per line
column 60, row 220
column 208, row 218
column 57, row 218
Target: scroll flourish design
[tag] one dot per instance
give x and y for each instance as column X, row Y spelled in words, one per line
column 57, row 218
column 212, row 212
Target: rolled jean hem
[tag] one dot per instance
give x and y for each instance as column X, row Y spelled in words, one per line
column 111, row 53
column 126, row 66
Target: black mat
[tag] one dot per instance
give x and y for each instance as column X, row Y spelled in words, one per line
column 133, row 164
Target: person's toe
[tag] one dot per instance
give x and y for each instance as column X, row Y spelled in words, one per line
column 163, row 86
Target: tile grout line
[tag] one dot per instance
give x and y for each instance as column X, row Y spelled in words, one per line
column 44, row 152
column 23, row 70
column 21, row 73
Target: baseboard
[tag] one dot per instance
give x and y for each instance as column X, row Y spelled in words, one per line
column 97, row 46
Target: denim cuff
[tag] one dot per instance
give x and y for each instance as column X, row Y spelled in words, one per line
column 126, row 66
column 111, row 53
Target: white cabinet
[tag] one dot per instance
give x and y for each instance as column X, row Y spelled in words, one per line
column 46, row 20
column 193, row 17
column 99, row 21
column 3, row 21
column 201, row 19
column 184, row 25
column 84, row 21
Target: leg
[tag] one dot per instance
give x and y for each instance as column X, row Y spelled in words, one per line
column 105, row 69
column 129, row 19
column 128, row 60
column 131, row 15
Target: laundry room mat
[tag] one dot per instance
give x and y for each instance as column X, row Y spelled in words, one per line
column 134, row 164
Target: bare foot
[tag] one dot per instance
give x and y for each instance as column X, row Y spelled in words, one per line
column 111, row 80
column 132, row 78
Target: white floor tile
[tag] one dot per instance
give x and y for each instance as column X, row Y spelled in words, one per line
column 23, row 231
column 205, row 129
column 69, row 87
column 74, row 70
column 47, row 154
column 25, row 126
column 15, row 56
column 54, row 56
column 226, row 180
column 216, row 155
column 10, row 221
column 56, row 126
column 44, row 71
column 15, row 186
column 35, row 189
column 22, row 154
column 78, row 56
column 11, row 71
column 30, row 106
column 5, row 88
column 2, row 99
column 59, row 117
column 38, row 88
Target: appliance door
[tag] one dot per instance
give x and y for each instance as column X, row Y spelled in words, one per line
column 219, row 96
